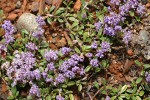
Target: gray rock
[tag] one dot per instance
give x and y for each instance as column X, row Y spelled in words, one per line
column 27, row 21
column 143, row 38
column 146, row 52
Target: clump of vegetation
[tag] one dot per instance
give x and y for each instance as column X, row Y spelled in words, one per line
column 49, row 74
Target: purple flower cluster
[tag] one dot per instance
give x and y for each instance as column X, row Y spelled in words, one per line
column 38, row 33
column 131, row 5
column 9, row 30
column 105, row 47
column 107, row 98
column 31, row 46
column 127, row 36
column 147, row 77
column 71, row 67
column 94, row 45
column 98, row 25
column 58, row 97
column 51, row 55
column 65, row 50
column 40, row 20
column 22, row 66
column 34, row 91
column 116, row 2
column 3, row 48
column 94, row 63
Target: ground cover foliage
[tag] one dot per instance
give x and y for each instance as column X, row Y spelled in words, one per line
column 80, row 70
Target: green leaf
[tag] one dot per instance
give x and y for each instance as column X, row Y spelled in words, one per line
column 71, row 83
column 71, row 96
column 79, row 87
column 96, row 84
column 123, row 89
column 85, row 35
column 104, row 63
column 52, row 8
column 14, row 90
column 1, row 13
column 138, row 63
column 77, row 50
column 24, row 31
column 131, row 13
column 146, row 66
column 119, row 98
column 113, row 98
column 138, row 98
column 59, row 11
column 48, row 97
column 87, row 68
column 73, row 19
column 139, row 80
column 49, row 20
column 10, row 98
column 141, row 93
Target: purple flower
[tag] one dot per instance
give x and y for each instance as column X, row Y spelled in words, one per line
column 75, row 69
column 107, row 98
column 48, row 80
column 58, row 97
column 44, row 74
column 75, row 57
column 64, row 67
column 98, row 25
column 69, row 74
column 8, row 38
column 127, row 36
column 40, row 21
column 38, row 33
column 51, row 66
column 72, row 62
column 124, row 9
column 3, row 48
column 82, row 72
column 36, row 73
column 51, row 55
column 21, row 65
column 60, row 78
column 94, row 45
column 8, row 27
column 65, row 50
column 109, row 31
column 94, row 63
column 31, row 46
column 148, row 78
column 105, row 46
column 116, row 2
column 89, row 55
column 140, row 9
column 113, row 19
column 34, row 91
column 100, row 53
column 118, row 28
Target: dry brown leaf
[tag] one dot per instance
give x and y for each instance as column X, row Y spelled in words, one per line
column 127, row 65
column 57, row 4
column 41, row 7
column 24, row 5
column 77, row 5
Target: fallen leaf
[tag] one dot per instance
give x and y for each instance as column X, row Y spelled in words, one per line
column 12, row 16
column 77, row 5
column 127, row 65
column 41, row 6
